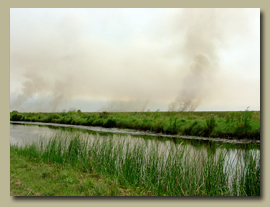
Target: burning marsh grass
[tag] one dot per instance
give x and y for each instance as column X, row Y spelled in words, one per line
column 146, row 167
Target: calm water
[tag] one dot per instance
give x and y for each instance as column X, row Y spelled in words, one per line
column 136, row 132
column 21, row 134
column 234, row 159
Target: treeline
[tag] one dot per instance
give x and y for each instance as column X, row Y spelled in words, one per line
column 240, row 124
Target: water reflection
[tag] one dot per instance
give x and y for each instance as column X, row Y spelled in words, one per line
column 202, row 161
column 196, row 150
column 159, row 136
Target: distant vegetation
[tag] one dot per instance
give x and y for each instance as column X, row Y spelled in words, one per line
column 240, row 124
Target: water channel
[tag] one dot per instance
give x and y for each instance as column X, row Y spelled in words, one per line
column 234, row 152
column 24, row 133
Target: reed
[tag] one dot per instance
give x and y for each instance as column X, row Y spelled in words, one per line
column 161, row 170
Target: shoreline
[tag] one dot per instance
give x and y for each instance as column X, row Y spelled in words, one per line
column 142, row 133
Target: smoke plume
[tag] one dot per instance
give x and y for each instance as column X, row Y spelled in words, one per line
column 125, row 106
column 199, row 51
column 130, row 59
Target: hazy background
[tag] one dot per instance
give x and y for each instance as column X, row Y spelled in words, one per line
column 134, row 59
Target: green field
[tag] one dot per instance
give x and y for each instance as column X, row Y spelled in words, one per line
column 235, row 124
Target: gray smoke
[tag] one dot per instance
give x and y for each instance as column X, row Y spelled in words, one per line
column 195, row 84
column 199, row 52
column 125, row 106
column 127, row 60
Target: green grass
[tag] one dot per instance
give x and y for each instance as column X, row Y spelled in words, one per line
column 32, row 177
column 241, row 124
column 137, row 167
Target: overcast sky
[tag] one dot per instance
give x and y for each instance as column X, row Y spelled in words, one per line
column 134, row 59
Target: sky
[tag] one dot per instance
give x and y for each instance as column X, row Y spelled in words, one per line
column 134, row 59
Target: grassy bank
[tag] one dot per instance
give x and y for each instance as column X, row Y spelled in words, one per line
column 32, row 177
column 242, row 124
column 77, row 166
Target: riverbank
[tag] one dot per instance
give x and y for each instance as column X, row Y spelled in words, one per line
column 116, row 166
column 229, row 125
column 32, row 177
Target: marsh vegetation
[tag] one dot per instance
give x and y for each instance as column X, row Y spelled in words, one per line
column 124, row 165
column 240, row 124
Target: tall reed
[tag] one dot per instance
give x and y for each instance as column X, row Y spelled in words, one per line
column 161, row 170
